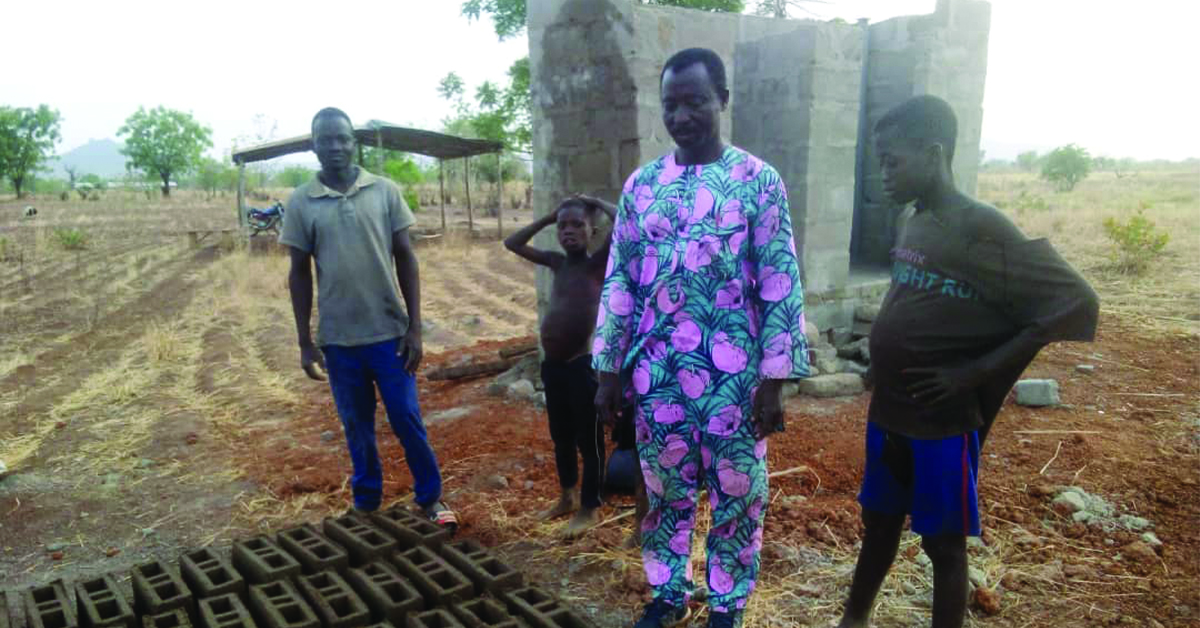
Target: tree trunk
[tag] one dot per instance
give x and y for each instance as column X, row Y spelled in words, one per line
column 166, row 188
column 17, row 182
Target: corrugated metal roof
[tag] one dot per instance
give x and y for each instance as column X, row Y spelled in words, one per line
column 393, row 137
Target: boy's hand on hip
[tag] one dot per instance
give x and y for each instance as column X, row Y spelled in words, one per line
column 608, row 398
column 766, row 414
column 411, row 347
column 312, row 362
column 937, row 384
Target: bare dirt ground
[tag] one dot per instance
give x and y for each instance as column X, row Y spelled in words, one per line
column 150, row 402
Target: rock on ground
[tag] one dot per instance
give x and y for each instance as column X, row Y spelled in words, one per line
column 521, row 389
column 812, row 334
column 1037, row 392
column 496, row 482
column 867, row 312
column 836, row 385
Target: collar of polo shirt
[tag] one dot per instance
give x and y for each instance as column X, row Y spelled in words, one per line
column 364, row 179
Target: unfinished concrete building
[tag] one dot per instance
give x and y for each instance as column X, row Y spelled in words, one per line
column 805, row 96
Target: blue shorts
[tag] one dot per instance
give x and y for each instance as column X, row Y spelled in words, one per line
column 933, row 481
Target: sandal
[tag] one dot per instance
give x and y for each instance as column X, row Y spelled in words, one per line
column 440, row 514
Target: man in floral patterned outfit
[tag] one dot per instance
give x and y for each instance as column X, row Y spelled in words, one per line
column 703, row 314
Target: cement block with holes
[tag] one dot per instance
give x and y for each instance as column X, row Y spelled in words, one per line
column 364, row 542
column 334, row 602
column 438, row 582
column 5, row 622
column 313, row 550
column 174, row 618
column 49, row 607
column 390, row 596
column 540, row 609
column 100, row 603
column 224, row 611
column 260, row 561
column 157, row 589
column 485, row 613
column 278, row 605
column 409, row 528
column 436, row 618
column 487, row 572
column 208, row 574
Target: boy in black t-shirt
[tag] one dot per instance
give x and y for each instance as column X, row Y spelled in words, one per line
column 972, row 301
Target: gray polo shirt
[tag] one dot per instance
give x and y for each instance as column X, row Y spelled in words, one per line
column 350, row 237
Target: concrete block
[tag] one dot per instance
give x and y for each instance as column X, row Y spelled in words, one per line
column 225, row 611
column 100, row 603
column 157, row 589
column 390, row 596
column 49, row 607
column 1037, row 392
column 334, row 602
column 364, row 542
column 436, row 618
column 174, row 618
column 279, row 605
column 540, row 609
column 4, row 619
column 833, row 385
column 485, row 613
column 487, row 572
column 260, row 561
column 409, row 528
column 313, row 550
column 208, row 574
column 438, row 582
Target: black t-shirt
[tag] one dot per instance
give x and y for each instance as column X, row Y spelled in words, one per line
column 964, row 282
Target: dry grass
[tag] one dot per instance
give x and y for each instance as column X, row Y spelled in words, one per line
column 1167, row 295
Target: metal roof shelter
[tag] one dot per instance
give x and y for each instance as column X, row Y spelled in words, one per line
column 383, row 135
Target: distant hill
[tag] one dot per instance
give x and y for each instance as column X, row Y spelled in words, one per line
column 99, row 157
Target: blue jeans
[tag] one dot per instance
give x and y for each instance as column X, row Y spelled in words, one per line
column 354, row 372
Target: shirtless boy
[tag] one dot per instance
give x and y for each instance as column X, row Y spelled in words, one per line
column 567, row 327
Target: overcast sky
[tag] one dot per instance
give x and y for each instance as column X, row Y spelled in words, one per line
column 1116, row 77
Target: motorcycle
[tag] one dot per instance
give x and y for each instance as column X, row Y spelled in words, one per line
column 265, row 218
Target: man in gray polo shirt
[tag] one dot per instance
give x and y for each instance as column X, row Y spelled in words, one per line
column 354, row 225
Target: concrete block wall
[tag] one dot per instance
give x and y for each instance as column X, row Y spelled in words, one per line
column 944, row 54
column 796, row 105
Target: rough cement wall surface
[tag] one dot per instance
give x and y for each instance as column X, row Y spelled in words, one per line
column 944, row 54
column 796, row 105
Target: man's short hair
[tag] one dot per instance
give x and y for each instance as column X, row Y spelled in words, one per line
column 588, row 210
column 688, row 57
column 926, row 120
column 330, row 112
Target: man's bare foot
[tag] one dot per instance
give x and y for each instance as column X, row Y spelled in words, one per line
column 583, row 521
column 849, row 623
column 567, row 504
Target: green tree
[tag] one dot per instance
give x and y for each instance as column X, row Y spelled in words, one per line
column 27, row 139
column 1028, row 160
column 293, row 176
column 164, row 142
column 1066, row 166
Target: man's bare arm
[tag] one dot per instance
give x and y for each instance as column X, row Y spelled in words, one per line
column 300, row 285
column 408, row 275
column 610, row 210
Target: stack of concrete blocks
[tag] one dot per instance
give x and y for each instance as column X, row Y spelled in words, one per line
column 805, row 96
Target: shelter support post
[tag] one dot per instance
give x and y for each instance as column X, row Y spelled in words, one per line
column 442, row 192
column 470, row 215
column 241, row 196
column 379, row 150
column 499, row 199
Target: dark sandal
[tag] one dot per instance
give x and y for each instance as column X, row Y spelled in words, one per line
column 438, row 513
